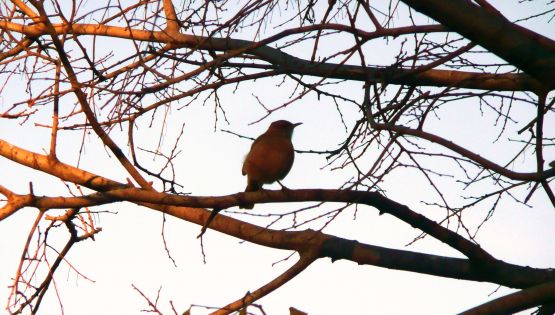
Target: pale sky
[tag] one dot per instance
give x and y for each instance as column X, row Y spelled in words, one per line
column 130, row 251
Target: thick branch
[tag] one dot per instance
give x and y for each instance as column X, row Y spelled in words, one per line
column 172, row 25
column 374, row 199
column 516, row 302
column 294, row 65
column 56, row 168
column 330, row 246
column 529, row 51
column 495, row 271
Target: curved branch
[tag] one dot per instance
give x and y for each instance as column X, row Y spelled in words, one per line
column 516, row 302
column 294, row 65
column 466, row 153
column 82, row 98
column 529, row 51
column 56, row 168
column 26, row 10
column 370, row 198
column 21, row 46
column 479, row 268
column 249, row 298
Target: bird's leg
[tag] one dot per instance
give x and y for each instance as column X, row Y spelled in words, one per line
column 211, row 217
column 282, row 186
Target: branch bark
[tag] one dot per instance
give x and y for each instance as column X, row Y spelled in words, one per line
column 516, row 302
column 528, row 51
column 485, row 163
column 305, row 260
column 478, row 268
column 294, row 65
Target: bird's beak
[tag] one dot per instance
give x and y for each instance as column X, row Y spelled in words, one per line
column 297, row 124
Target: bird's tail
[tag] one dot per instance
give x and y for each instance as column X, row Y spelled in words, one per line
column 251, row 186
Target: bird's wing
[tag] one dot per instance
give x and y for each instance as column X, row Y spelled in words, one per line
column 254, row 143
column 243, row 170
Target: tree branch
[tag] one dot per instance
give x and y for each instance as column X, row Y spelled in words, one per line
column 82, row 98
column 481, row 266
column 305, row 260
column 529, row 51
column 535, row 176
column 477, row 268
column 516, row 302
column 294, row 65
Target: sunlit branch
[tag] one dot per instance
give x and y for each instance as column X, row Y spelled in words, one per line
column 304, row 261
column 293, row 64
column 118, row 67
column 172, row 24
column 337, row 248
column 83, row 100
column 15, row 286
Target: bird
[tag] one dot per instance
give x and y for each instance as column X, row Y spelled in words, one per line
column 270, row 158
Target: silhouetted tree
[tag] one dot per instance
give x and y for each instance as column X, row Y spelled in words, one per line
column 401, row 74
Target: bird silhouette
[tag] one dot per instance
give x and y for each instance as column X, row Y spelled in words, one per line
column 270, row 158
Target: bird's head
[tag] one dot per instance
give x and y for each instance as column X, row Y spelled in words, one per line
column 283, row 126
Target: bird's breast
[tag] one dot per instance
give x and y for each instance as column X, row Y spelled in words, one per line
column 269, row 159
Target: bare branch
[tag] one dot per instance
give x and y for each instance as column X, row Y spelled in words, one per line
column 517, row 302
column 529, row 51
column 305, row 260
